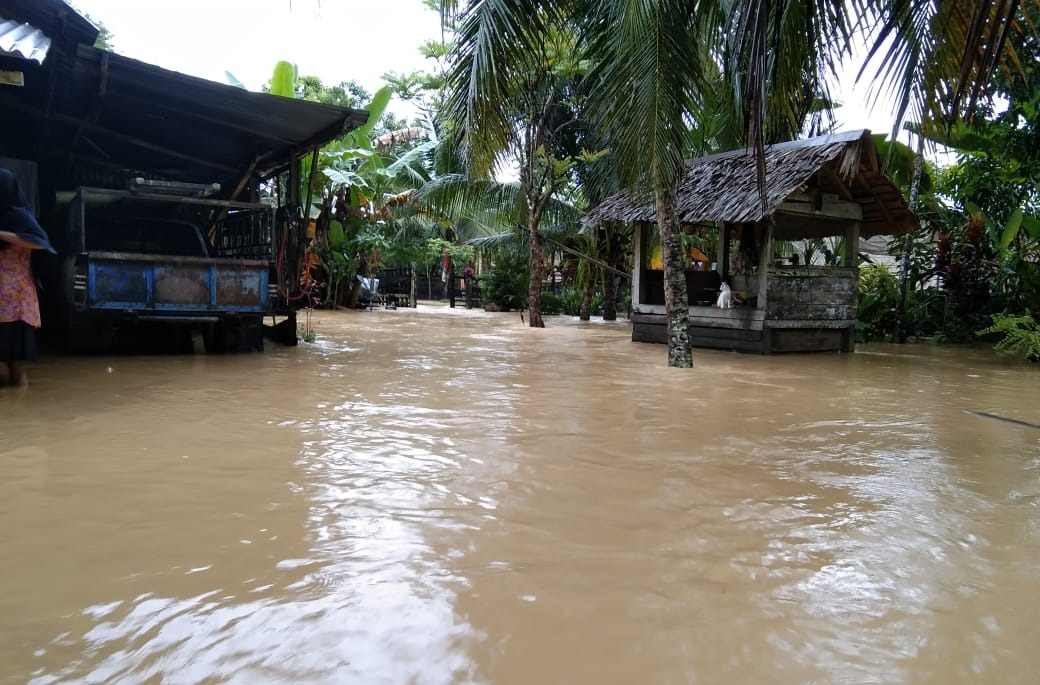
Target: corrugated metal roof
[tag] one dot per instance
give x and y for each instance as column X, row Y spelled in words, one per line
column 25, row 40
column 55, row 18
column 125, row 114
column 186, row 123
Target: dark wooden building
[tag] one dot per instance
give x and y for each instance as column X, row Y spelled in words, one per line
column 74, row 116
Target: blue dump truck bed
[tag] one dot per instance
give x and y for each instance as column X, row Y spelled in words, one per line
column 137, row 259
column 154, row 286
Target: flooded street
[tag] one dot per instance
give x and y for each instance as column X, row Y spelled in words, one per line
column 430, row 497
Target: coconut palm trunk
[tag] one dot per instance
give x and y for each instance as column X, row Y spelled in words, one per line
column 586, row 302
column 534, row 288
column 676, row 304
column 609, row 297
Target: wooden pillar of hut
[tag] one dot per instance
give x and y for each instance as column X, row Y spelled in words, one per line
column 850, row 257
column 850, row 260
column 765, row 255
column 726, row 233
column 413, row 292
column 638, row 250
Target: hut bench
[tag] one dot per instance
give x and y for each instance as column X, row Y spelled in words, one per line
column 808, row 309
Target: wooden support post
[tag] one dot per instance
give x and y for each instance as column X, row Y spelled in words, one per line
column 638, row 249
column 726, row 234
column 307, row 199
column 765, row 255
column 851, row 260
column 850, row 257
column 294, row 243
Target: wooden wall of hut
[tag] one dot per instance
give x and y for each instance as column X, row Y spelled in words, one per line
column 811, row 309
column 813, row 293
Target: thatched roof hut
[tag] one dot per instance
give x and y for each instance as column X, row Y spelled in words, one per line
column 814, row 188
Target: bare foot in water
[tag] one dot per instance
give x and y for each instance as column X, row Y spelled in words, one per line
column 12, row 374
column 19, row 378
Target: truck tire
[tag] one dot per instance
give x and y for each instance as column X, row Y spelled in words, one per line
column 237, row 334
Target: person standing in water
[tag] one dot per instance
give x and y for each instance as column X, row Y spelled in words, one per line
column 20, row 234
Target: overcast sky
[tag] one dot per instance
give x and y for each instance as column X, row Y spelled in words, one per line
column 336, row 40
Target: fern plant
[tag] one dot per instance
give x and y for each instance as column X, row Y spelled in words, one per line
column 1021, row 336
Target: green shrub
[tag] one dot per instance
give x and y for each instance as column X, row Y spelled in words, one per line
column 505, row 284
column 552, row 304
column 878, row 303
column 595, row 308
column 1020, row 336
column 496, row 287
column 570, row 301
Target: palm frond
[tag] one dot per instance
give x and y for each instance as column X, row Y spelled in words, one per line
column 456, row 196
column 644, row 82
column 778, row 55
column 935, row 59
column 407, row 164
column 516, row 240
column 495, row 40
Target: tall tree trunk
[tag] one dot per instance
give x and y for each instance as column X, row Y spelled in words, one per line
column 609, row 296
column 534, row 288
column 586, row 301
column 676, row 303
column 899, row 334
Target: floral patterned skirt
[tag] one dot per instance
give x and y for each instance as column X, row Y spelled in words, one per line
column 17, row 342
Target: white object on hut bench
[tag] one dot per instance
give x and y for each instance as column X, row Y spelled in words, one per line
column 725, row 300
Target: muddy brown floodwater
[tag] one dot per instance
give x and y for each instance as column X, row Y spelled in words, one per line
column 430, row 496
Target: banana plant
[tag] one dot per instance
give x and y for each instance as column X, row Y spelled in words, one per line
column 336, row 258
column 372, row 192
column 1018, row 223
column 350, row 160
